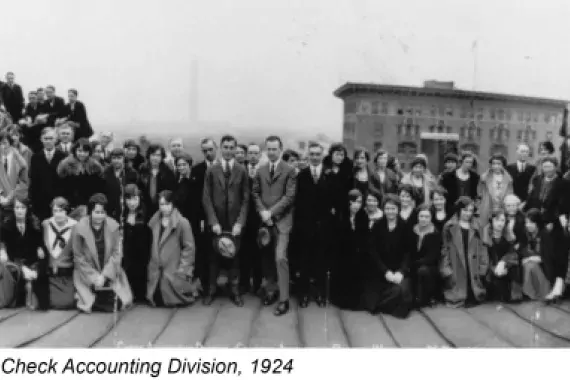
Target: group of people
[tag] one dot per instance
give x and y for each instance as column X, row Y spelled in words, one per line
column 89, row 226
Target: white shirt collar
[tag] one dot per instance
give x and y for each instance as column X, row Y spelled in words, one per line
column 230, row 162
column 318, row 168
column 276, row 163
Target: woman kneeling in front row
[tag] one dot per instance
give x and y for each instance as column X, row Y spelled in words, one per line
column 97, row 249
column 57, row 232
column 388, row 288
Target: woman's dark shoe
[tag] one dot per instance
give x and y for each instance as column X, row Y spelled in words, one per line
column 237, row 300
column 270, row 299
column 304, row 302
column 282, row 308
column 321, row 301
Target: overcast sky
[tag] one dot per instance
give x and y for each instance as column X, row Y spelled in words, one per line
column 276, row 63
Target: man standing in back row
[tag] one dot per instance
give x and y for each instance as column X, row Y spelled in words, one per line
column 274, row 193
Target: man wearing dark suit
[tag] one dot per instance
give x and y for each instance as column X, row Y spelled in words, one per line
column 32, row 124
column 274, row 194
column 54, row 106
column 117, row 176
column 45, row 184
column 203, row 247
column 225, row 200
column 521, row 172
column 313, row 216
column 76, row 113
column 250, row 259
column 13, row 97
column 65, row 136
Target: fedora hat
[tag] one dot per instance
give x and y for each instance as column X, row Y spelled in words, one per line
column 265, row 236
column 225, row 245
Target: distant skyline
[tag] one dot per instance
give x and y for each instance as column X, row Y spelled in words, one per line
column 276, row 64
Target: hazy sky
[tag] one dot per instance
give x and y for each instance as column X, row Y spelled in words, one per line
column 276, row 63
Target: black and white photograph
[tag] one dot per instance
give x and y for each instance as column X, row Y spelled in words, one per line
column 284, row 174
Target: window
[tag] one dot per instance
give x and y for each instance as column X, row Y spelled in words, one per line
column 349, row 130
column 448, row 111
column 432, row 128
column 407, row 148
column 508, row 115
column 480, row 114
column 378, row 129
column 433, row 111
column 449, row 129
column 410, row 111
column 463, row 113
column 501, row 114
column 400, row 130
column 418, row 111
column 535, row 117
column 519, row 135
column 441, row 111
column 385, row 108
column 375, row 108
column 492, row 114
column 377, row 145
column 520, row 116
column 527, row 116
column 365, row 108
column 470, row 113
column 349, row 106
column 400, row 111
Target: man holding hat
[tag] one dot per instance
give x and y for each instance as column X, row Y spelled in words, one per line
column 225, row 200
column 274, row 193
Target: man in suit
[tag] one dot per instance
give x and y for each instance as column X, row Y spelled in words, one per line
column 521, row 172
column 225, row 200
column 12, row 97
column 76, row 113
column 117, row 176
column 209, row 149
column 250, row 259
column 274, row 194
column 65, row 135
column 45, row 184
column 54, row 105
column 175, row 149
column 313, row 216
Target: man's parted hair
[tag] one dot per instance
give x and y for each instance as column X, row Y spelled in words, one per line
column 97, row 199
column 228, row 138
column 274, row 138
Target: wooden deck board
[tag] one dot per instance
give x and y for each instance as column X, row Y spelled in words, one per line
column 80, row 332
column 9, row 313
column 232, row 326
column 549, row 318
column 462, row 329
column 365, row 330
column 271, row 331
column 322, row 327
column 188, row 327
column 29, row 325
column 414, row 331
column 128, row 332
column 514, row 329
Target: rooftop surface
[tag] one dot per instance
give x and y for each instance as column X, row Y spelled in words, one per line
column 351, row 88
column 225, row 325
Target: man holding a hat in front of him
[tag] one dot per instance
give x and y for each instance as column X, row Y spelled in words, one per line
column 225, row 200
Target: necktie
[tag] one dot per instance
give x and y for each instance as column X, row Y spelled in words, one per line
column 272, row 171
column 226, row 169
column 6, row 164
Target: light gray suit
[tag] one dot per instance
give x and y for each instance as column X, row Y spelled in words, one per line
column 277, row 195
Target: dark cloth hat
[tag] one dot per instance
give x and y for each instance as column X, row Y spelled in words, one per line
column 226, row 245
column 265, row 236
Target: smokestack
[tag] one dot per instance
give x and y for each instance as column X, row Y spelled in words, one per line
column 194, row 92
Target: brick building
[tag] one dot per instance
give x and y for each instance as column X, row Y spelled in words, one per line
column 438, row 118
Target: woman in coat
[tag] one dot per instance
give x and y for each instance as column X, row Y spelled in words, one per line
column 544, row 259
column 57, row 232
column 425, row 255
column 133, row 157
column 495, row 184
column 352, row 256
column 339, row 168
column 21, row 244
column 372, row 208
column 361, row 172
column 504, row 279
column 440, row 213
column 16, row 133
column 136, row 242
column 171, row 266
column 463, row 181
column 383, row 181
column 81, row 177
column 465, row 260
column 99, row 279
column 408, row 213
column 155, row 177
column 420, row 179
column 387, row 288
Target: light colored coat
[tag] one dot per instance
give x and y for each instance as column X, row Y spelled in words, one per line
column 484, row 191
column 276, row 195
column 16, row 181
column 172, row 255
column 453, row 266
column 87, row 267
column 429, row 184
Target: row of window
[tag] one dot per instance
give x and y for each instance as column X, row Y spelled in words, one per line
column 365, row 107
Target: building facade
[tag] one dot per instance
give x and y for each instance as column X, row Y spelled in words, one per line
column 438, row 118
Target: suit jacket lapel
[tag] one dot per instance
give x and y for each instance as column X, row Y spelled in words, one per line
column 458, row 241
column 91, row 246
column 219, row 172
column 278, row 170
column 108, row 236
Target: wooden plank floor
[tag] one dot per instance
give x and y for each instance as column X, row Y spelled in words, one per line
column 224, row 325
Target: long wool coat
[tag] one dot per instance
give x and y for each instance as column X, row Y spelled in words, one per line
column 485, row 194
column 171, row 265
column 453, row 265
column 87, row 266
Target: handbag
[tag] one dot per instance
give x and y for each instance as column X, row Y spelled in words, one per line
column 10, row 277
